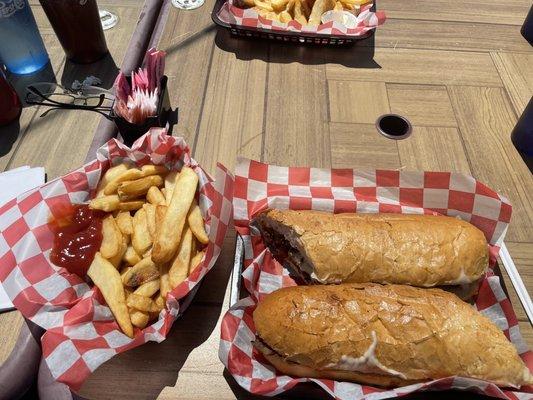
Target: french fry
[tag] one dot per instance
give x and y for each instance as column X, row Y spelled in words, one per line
column 338, row 6
column 195, row 261
column 115, row 260
column 141, row 303
column 164, row 281
column 142, row 272
column 129, row 190
column 290, row 6
column 170, row 182
column 299, row 14
column 124, row 222
column 106, row 277
column 160, row 302
column 141, row 239
column 160, row 212
column 357, row 3
column 139, row 318
column 148, row 289
column 150, row 169
column 275, row 17
column 196, row 223
column 128, row 175
column 272, row 15
column 279, row 5
column 150, row 218
column 111, row 238
column 194, row 246
column 180, row 266
column 169, row 232
column 347, row 4
column 111, row 174
column 105, row 203
column 155, row 196
column 130, row 256
column 130, row 205
column 263, row 5
column 285, row 16
column 123, row 271
column 319, row 8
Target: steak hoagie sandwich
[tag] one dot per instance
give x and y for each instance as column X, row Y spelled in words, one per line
column 418, row 250
column 389, row 335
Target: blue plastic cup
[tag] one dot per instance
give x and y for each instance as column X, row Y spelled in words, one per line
column 21, row 46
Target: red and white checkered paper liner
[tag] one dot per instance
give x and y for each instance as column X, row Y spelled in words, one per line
column 81, row 332
column 260, row 186
column 366, row 21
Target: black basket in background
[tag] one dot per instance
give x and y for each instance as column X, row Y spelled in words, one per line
column 286, row 36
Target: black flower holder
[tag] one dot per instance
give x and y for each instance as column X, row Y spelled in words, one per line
column 95, row 99
column 131, row 132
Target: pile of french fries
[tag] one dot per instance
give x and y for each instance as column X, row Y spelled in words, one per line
column 152, row 239
column 306, row 12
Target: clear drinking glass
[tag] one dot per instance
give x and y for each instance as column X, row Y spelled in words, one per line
column 187, row 4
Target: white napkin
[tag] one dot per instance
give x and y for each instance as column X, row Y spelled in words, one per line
column 13, row 183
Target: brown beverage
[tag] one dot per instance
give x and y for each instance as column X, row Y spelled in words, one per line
column 78, row 28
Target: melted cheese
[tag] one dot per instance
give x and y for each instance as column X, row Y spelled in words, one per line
column 367, row 363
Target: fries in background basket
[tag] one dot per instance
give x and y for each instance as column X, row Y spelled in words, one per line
column 306, row 12
column 153, row 240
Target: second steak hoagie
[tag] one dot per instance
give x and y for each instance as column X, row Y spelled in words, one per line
column 418, row 250
column 389, row 335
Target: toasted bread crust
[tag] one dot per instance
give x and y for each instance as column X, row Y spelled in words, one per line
column 419, row 250
column 420, row 334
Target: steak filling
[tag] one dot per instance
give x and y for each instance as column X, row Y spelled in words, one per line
column 281, row 242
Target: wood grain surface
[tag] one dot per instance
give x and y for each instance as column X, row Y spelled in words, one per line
column 10, row 324
column 358, row 146
column 460, row 71
column 486, row 119
column 296, row 111
column 232, row 123
column 517, row 74
column 357, row 102
column 412, row 101
column 511, row 12
column 435, row 67
column 59, row 142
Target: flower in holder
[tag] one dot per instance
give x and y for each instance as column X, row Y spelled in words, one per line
column 138, row 101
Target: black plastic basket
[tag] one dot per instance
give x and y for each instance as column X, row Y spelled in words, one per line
column 286, row 36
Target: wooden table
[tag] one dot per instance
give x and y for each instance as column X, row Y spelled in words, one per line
column 460, row 71
column 59, row 141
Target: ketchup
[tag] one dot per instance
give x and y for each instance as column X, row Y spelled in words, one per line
column 77, row 237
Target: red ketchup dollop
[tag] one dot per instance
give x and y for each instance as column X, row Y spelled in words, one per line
column 77, row 237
